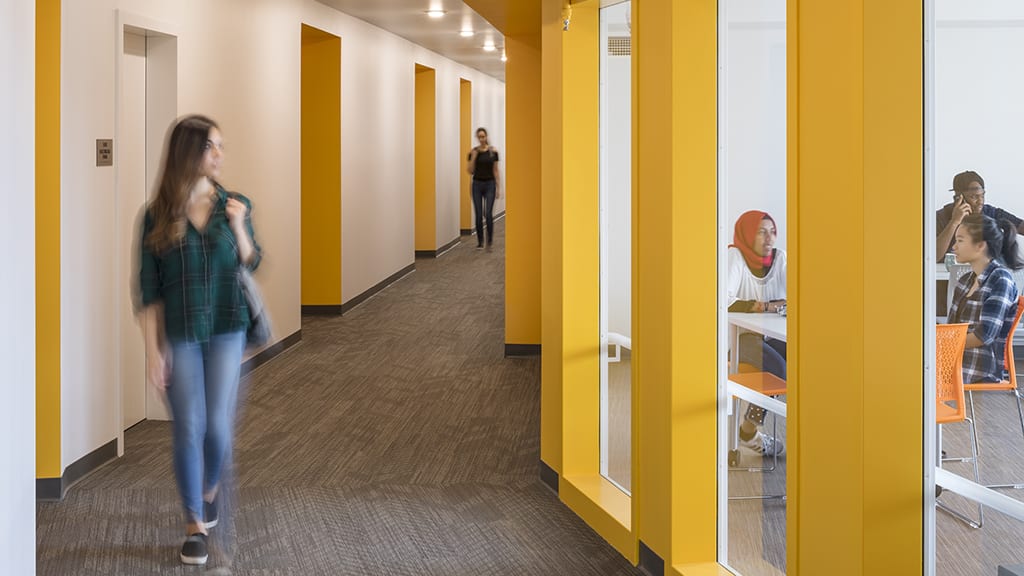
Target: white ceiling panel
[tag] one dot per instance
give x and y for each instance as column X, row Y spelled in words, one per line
column 409, row 19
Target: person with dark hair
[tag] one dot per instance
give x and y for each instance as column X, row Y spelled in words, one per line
column 195, row 238
column 985, row 297
column 757, row 283
column 968, row 198
column 483, row 165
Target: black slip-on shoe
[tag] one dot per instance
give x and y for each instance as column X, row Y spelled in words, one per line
column 193, row 551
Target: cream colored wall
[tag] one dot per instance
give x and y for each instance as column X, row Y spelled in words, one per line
column 17, row 298
column 238, row 62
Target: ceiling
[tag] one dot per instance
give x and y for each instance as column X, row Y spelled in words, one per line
column 408, row 19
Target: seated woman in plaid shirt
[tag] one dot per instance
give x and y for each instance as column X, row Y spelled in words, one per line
column 195, row 237
column 985, row 297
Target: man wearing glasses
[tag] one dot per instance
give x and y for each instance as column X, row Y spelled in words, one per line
column 968, row 197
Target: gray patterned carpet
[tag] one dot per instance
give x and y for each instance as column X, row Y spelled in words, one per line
column 395, row 440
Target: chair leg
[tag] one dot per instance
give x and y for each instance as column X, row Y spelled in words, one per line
column 974, row 457
column 977, row 473
column 1020, row 411
column 970, row 403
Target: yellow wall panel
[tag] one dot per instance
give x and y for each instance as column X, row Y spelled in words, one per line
column 551, row 234
column 893, row 161
column 321, row 168
column 580, row 273
column 856, row 132
column 48, row 427
column 675, row 356
column 522, row 184
column 466, row 129
column 426, row 157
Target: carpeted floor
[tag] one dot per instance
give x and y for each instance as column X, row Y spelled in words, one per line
column 394, row 440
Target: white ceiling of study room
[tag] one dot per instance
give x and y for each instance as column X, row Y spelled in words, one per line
column 409, row 19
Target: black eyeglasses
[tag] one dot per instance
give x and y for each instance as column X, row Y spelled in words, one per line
column 972, row 193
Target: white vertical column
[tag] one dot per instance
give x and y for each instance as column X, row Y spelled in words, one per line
column 17, row 290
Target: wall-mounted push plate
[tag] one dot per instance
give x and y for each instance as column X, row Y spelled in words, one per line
column 104, row 152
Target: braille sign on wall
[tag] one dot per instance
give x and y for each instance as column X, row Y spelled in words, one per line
column 104, row 152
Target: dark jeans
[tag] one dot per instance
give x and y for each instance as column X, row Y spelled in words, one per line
column 483, row 193
column 767, row 355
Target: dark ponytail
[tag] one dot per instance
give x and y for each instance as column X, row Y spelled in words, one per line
column 1001, row 238
column 1011, row 257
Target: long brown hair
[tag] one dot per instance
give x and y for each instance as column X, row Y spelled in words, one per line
column 188, row 143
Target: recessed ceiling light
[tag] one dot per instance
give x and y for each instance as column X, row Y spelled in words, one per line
column 488, row 46
column 503, row 57
column 466, row 33
column 436, row 13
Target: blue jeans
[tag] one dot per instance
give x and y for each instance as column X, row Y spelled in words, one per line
column 765, row 354
column 483, row 193
column 203, row 394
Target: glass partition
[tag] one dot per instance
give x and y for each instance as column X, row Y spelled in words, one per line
column 616, row 245
column 752, row 286
column 973, row 124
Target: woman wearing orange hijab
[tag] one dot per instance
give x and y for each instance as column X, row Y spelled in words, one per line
column 757, row 283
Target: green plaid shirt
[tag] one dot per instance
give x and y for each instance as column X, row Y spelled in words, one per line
column 197, row 280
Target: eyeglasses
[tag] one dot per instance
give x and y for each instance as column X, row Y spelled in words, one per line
column 973, row 193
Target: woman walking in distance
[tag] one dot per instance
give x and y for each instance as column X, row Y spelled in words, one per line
column 483, row 165
column 195, row 238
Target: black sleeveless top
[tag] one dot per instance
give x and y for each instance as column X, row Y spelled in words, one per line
column 484, row 169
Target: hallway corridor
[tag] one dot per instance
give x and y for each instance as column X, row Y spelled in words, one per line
column 395, row 440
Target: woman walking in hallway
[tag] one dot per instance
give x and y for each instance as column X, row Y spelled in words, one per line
column 195, row 238
column 483, row 165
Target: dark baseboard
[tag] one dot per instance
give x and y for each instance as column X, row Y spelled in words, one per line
column 53, row 489
column 548, row 476
column 449, row 245
column 465, row 231
column 521, row 350
column 268, row 354
column 439, row 251
column 650, row 562
column 321, row 310
column 377, row 288
column 499, row 215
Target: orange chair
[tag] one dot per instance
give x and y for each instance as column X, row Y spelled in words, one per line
column 1006, row 385
column 949, row 399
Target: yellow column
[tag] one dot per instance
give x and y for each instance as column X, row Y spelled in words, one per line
column 523, row 181
column 855, row 157
column 551, row 238
column 426, row 159
column 571, row 366
column 321, row 168
column 48, row 438
column 465, row 143
column 676, row 247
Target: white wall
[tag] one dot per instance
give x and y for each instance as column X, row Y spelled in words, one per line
column 756, row 111
column 17, row 292
column 979, row 82
column 616, row 174
column 239, row 62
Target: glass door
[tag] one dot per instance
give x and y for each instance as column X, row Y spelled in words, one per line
column 752, row 286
